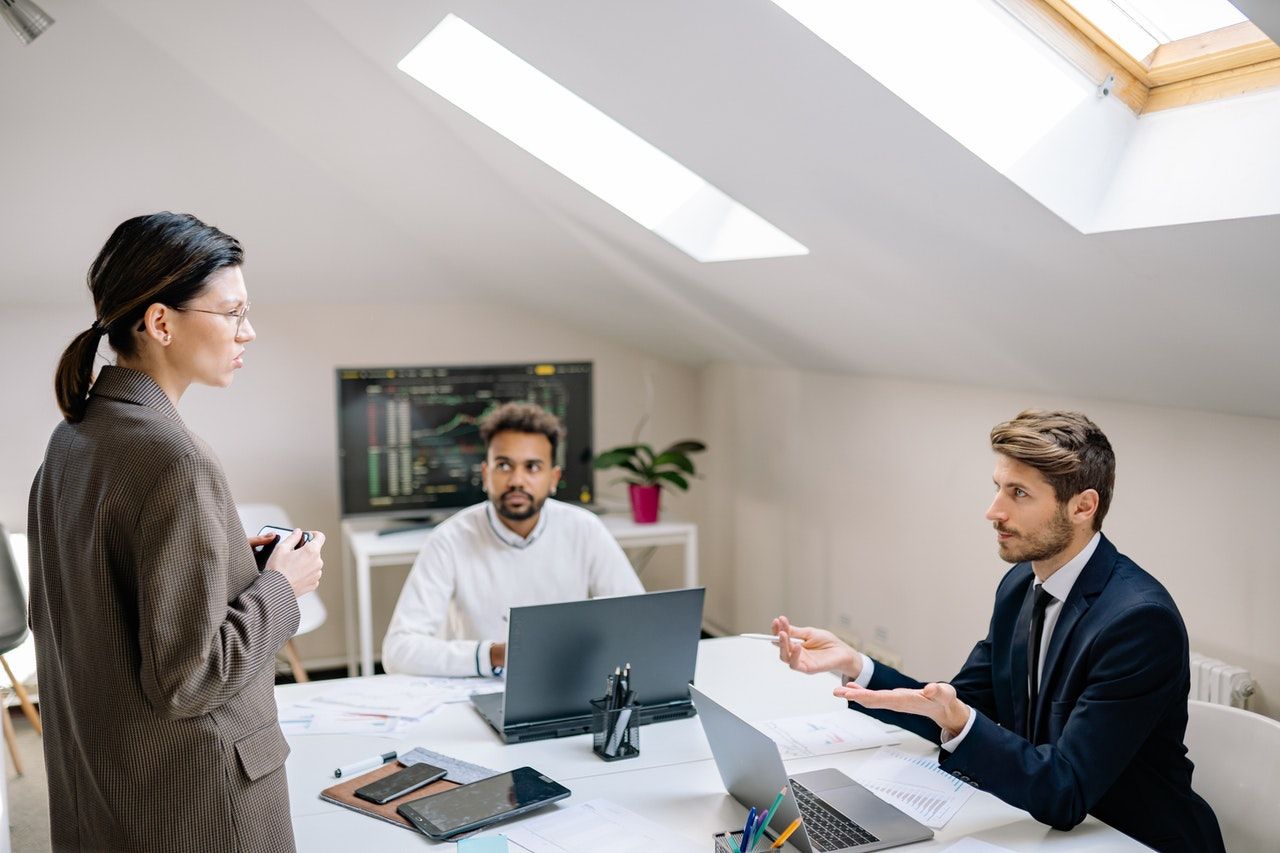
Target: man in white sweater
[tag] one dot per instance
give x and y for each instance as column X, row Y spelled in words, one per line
column 518, row 548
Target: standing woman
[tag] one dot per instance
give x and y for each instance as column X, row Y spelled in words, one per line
column 156, row 633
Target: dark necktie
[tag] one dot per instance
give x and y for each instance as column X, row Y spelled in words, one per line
column 1033, row 663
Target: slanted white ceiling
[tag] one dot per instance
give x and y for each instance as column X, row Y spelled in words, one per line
column 287, row 124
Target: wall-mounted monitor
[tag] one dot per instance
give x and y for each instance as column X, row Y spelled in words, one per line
column 409, row 437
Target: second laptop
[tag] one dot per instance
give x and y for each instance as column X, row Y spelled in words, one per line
column 558, row 656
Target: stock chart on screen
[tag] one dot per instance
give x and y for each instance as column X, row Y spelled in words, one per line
column 409, row 437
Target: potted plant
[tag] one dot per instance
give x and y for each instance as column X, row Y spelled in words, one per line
column 648, row 472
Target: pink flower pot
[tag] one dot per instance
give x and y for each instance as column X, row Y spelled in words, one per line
column 644, row 503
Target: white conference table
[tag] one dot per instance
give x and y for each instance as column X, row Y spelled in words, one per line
column 673, row 781
column 364, row 549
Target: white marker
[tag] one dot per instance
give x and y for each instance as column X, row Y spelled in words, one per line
column 770, row 637
column 366, row 764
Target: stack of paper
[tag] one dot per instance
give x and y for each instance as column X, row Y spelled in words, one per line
column 380, row 705
column 823, row 734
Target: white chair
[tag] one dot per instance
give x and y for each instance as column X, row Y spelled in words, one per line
column 17, row 647
column 254, row 517
column 1237, row 758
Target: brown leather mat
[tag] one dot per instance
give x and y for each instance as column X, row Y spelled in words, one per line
column 343, row 794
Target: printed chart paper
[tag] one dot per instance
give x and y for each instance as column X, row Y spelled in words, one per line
column 915, row 784
column 824, row 734
column 381, row 705
column 595, row 826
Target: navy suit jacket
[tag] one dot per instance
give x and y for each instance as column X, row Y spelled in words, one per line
column 1108, row 726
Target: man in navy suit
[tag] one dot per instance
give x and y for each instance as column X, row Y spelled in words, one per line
column 1076, row 701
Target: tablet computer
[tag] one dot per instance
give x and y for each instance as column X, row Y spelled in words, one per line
column 479, row 804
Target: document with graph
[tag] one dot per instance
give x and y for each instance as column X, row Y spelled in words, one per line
column 915, row 784
column 824, row 734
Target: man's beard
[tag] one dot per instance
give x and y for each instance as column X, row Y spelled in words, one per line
column 532, row 507
column 1047, row 542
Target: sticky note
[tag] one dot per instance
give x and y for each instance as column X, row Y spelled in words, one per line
column 487, row 844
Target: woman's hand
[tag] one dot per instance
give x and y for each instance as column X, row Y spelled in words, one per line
column 816, row 650
column 302, row 567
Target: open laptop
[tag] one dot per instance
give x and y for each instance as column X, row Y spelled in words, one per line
column 839, row 814
column 558, row 656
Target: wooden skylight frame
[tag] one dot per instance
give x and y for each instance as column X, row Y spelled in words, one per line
column 1231, row 61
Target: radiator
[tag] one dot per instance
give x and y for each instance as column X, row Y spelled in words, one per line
column 1220, row 683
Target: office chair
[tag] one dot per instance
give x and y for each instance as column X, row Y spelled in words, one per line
column 254, row 517
column 13, row 633
column 1237, row 758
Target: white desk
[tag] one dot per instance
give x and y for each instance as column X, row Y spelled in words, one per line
column 364, row 549
column 673, row 781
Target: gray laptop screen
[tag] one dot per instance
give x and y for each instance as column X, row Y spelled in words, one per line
column 559, row 654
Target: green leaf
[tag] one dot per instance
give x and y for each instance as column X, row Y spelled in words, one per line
column 689, row 445
column 679, row 460
column 645, row 453
column 618, row 456
column 674, row 478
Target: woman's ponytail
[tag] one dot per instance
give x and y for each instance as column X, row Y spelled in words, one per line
column 75, row 373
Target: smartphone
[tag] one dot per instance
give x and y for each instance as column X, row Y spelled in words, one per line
column 263, row 552
column 467, row 807
column 398, row 784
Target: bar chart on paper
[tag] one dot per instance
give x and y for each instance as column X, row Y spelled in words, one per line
column 914, row 784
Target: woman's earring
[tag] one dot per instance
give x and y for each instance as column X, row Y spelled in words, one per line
column 166, row 338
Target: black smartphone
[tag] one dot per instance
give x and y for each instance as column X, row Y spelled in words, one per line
column 263, row 552
column 398, row 784
column 469, row 807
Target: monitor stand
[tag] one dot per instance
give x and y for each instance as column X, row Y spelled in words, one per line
column 413, row 522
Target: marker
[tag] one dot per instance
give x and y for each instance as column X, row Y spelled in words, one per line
column 755, row 839
column 773, row 638
column 746, row 830
column 782, row 839
column 619, row 729
column 366, row 764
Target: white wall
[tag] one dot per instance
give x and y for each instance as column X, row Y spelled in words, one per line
column 275, row 428
column 1197, row 164
column 858, row 504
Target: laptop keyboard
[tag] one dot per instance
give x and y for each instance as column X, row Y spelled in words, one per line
column 827, row 828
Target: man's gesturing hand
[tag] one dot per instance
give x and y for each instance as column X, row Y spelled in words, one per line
column 937, row 701
column 816, row 651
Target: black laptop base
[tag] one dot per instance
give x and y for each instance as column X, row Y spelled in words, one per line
column 489, row 707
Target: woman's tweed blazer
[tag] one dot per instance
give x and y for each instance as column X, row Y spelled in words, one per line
column 156, row 638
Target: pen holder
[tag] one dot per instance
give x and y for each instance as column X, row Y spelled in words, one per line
column 615, row 734
column 764, row 843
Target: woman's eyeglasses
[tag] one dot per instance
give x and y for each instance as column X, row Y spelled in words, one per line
column 239, row 314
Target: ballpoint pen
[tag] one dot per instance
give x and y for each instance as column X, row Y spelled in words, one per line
column 755, row 839
column 786, row 833
column 365, row 764
column 619, row 730
column 746, row 830
column 770, row 637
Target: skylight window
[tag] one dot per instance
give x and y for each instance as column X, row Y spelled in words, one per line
column 502, row 91
column 1140, row 26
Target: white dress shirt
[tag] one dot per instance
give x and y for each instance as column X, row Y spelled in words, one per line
column 1059, row 586
column 473, row 569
